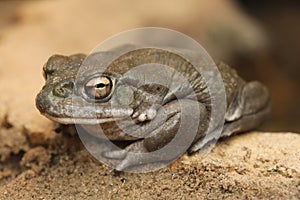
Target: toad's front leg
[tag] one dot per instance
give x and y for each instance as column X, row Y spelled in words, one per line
column 185, row 122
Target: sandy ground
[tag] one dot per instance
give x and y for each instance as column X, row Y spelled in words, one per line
column 36, row 162
column 249, row 166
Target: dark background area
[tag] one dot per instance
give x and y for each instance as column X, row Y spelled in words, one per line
column 279, row 66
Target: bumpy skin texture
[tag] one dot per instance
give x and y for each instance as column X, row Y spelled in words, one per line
column 248, row 104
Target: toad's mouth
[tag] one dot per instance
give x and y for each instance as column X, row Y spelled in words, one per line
column 69, row 114
column 80, row 120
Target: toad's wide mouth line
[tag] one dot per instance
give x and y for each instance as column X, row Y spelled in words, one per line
column 78, row 120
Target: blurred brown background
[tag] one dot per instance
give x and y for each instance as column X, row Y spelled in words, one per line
column 279, row 65
column 259, row 38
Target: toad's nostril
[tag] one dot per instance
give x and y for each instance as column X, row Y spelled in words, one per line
column 63, row 89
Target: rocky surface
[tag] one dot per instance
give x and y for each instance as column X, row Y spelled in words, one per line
column 248, row 166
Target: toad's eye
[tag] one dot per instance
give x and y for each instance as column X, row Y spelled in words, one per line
column 99, row 88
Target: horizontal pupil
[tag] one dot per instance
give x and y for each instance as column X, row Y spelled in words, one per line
column 100, row 85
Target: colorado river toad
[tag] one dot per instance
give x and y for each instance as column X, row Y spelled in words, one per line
column 88, row 101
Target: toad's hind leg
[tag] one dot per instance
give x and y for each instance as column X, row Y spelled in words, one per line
column 249, row 109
